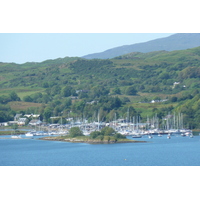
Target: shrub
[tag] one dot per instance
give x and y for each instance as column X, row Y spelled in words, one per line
column 100, row 137
column 75, row 131
column 94, row 134
column 107, row 131
column 131, row 90
column 119, row 136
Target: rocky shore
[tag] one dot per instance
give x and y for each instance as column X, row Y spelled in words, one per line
column 90, row 141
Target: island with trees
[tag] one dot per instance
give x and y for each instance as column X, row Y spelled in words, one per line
column 107, row 135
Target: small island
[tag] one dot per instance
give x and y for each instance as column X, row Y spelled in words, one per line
column 106, row 136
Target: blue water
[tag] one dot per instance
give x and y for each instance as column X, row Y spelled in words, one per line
column 159, row 151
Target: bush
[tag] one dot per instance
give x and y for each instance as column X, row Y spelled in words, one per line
column 94, row 134
column 27, row 99
column 75, row 131
column 131, row 90
column 174, row 99
column 107, row 131
column 119, row 136
column 100, row 137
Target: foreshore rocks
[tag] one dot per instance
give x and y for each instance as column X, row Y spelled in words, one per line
column 90, row 141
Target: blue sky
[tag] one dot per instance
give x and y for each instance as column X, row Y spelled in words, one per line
column 37, row 47
column 80, row 27
column 40, row 30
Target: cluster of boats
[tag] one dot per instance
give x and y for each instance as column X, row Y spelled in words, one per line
column 137, row 133
column 171, row 125
column 42, row 133
column 31, row 134
column 133, row 134
column 169, row 133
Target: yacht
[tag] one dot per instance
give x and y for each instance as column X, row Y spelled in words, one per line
column 29, row 134
column 136, row 136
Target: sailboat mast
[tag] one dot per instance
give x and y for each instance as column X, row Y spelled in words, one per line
column 98, row 120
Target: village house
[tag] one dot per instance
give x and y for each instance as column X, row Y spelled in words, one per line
column 35, row 122
column 159, row 101
column 12, row 122
column 155, row 101
column 35, row 115
column 17, row 116
column 174, row 84
column 32, row 115
column 4, row 124
column 22, row 121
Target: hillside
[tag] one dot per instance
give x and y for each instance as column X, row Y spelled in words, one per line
column 77, row 87
column 178, row 41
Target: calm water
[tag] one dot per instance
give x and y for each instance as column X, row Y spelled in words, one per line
column 159, row 151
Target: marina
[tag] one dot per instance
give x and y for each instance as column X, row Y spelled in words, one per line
column 170, row 125
column 163, row 142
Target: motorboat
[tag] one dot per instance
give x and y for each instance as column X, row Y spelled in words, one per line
column 183, row 134
column 137, row 136
column 29, row 134
column 15, row 136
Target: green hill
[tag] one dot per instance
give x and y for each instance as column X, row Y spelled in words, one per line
column 80, row 87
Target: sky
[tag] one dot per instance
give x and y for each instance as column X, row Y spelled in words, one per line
column 34, row 31
column 37, row 47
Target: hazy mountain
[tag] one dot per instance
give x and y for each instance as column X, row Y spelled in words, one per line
column 179, row 41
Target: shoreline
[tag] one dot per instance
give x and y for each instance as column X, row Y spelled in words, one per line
column 89, row 141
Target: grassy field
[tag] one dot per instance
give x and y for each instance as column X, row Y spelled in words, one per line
column 147, row 108
column 21, row 91
column 20, row 105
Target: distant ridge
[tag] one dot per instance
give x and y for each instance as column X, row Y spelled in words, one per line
column 179, row 41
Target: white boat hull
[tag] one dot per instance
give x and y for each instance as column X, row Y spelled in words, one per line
column 16, row 136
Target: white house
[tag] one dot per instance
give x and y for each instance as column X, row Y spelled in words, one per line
column 35, row 122
column 12, row 122
column 17, row 116
column 28, row 115
column 155, row 101
column 22, row 121
column 176, row 83
column 32, row 115
column 35, row 115
column 4, row 124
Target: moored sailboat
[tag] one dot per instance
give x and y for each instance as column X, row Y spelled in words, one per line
column 29, row 134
